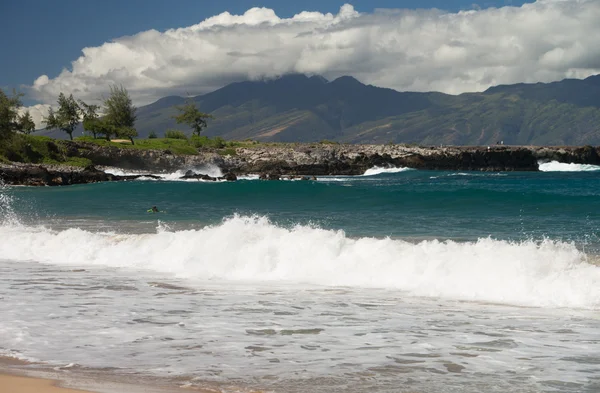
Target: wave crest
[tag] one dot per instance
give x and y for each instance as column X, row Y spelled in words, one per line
column 546, row 273
column 555, row 166
column 379, row 170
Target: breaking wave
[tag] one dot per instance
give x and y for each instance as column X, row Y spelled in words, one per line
column 379, row 170
column 252, row 249
column 207, row 169
column 555, row 166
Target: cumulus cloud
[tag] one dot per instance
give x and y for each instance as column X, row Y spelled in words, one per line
column 416, row 50
column 38, row 113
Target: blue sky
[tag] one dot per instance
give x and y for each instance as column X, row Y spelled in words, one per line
column 46, row 36
column 158, row 48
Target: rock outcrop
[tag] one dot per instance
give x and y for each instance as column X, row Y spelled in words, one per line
column 322, row 160
column 56, row 175
column 138, row 159
column 329, row 159
column 577, row 155
column 299, row 161
column 200, row 176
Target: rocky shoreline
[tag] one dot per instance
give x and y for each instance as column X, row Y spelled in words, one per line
column 273, row 162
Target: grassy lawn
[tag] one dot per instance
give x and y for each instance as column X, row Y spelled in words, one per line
column 177, row 146
column 185, row 146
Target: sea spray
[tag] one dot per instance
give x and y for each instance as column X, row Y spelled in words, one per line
column 211, row 170
column 8, row 217
column 382, row 170
column 555, row 166
column 252, row 249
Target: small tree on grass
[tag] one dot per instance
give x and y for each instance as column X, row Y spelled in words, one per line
column 66, row 117
column 90, row 117
column 190, row 115
column 120, row 113
column 103, row 127
column 127, row 132
column 175, row 134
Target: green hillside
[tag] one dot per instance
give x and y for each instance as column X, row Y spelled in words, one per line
column 484, row 119
column 297, row 108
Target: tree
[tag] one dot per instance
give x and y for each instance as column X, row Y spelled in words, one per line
column 127, row 132
column 90, row 117
column 66, row 117
column 10, row 121
column 119, row 112
column 103, row 127
column 26, row 124
column 191, row 116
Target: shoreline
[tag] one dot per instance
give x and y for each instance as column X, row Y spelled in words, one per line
column 18, row 376
column 274, row 162
column 18, row 384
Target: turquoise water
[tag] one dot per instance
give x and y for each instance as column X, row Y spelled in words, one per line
column 413, row 204
column 415, row 281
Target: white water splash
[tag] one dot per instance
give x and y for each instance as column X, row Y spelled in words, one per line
column 206, row 169
column 7, row 213
column 252, row 249
column 379, row 170
column 249, row 177
column 555, row 166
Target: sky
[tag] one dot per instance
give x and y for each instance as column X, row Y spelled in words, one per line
column 157, row 48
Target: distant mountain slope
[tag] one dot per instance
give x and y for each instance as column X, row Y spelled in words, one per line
column 484, row 119
column 292, row 108
column 297, row 108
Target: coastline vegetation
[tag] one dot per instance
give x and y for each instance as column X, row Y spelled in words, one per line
column 115, row 119
column 34, row 149
column 110, row 125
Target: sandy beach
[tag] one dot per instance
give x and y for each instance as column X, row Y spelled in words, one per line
column 22, row 380
column 18, row 384
column 17, row 376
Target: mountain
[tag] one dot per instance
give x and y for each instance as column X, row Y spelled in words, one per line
column 294, row 108
column 298, row 108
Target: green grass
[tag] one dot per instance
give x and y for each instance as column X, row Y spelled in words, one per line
column 175, row 134
column 33, row 149
column 176, row 146
column 44, row 150
column 72, row 161
column 227, row 152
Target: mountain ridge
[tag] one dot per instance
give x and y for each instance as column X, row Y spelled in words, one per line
column 300, row 108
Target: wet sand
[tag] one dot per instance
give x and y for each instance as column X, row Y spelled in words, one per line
column 17, row 384
column 23, row 381
column 18, row 376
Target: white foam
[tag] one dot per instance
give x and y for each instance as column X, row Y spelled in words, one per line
column 249, row 177
column 121, row 172
column 469, row 175
column 555, row 166
column 252, row 249
column 335, row 178
column 379, row 170
column 7, row 214
column 206, row 169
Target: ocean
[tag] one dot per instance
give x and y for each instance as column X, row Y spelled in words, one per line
column 395, row 281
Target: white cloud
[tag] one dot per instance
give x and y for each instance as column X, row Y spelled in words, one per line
column 417, row 50
column 38, row 113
